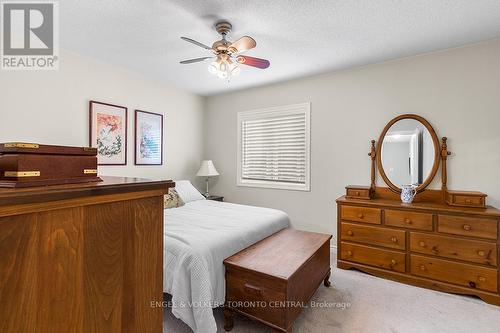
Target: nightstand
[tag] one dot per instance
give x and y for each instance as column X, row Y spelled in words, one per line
column 215, row 198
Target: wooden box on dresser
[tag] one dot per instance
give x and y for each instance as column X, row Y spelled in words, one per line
column 426, row 243
column 82, row 257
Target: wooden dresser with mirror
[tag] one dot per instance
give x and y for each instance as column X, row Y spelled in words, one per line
column 444, row 240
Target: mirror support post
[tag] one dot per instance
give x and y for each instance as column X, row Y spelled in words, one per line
column 373, row 155
column 444, row 156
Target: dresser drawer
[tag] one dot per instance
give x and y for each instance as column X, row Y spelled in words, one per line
column 385, row 259
column 373, row 235
column 468, row 226
column 411, row 220
column 361, row 214
column 461, row 274
column 466, row 199
column 358, row 192
column 256, row 295
column 456, row 248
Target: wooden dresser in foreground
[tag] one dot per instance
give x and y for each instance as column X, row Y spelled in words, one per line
column 428, row 244
column 82, row 257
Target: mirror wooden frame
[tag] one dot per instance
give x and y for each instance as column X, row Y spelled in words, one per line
column 437, row 151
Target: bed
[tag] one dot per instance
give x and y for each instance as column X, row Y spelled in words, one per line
column 197, row 238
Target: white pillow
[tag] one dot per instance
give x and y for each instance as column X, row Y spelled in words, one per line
column 187, row 191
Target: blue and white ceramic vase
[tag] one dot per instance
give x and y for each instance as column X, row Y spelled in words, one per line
column 408, row 193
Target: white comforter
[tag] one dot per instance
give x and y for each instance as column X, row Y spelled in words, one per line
column 198, row 237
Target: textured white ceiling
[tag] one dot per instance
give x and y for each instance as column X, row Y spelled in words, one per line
column 299, row 37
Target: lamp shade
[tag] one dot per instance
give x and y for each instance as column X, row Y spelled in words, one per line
column 207, row 169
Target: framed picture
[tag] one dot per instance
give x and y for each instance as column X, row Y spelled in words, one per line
column 108, row 132
column 148, row 138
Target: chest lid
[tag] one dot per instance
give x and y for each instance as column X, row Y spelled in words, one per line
column 281, row 254
column 35, row 148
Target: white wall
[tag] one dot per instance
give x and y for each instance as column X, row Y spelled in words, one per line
column 52, row 107
column 457, row 91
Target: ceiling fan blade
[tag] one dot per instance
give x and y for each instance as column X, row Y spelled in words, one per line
column 254, row 62
column 243, row 44
column 190, row 61
column 196, row 43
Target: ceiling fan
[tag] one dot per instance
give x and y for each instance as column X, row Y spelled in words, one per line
column 228, row 54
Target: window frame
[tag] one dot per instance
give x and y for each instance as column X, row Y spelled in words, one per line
column 293, row 109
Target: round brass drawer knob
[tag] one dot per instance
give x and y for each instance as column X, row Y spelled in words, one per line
column 408, row 221
column 349, row 253
column 394, row 262
column 357, row 193
column 481, row 253
column 422, row 244
column 422, row 267
column 467, row 227
column 350, row 233
column 482, row 279
column 360, row 215
column 394, row 239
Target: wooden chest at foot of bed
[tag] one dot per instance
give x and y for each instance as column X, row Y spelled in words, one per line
column 272, row 280
column 30, row 164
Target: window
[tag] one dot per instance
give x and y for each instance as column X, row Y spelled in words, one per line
column 274, row 147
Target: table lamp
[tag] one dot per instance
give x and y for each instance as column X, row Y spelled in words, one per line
column 207, row 169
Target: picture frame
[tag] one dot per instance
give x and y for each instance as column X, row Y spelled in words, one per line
column 148, row 143
column 108, row 132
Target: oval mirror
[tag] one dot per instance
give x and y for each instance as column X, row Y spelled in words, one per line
column 408, row 153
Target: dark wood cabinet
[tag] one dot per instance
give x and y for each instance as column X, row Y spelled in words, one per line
column 215, row 198
column 82, row 258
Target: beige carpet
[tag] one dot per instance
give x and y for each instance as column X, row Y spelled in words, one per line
column 376, row 305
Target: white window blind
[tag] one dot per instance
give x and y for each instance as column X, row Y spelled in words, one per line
column 274, row 147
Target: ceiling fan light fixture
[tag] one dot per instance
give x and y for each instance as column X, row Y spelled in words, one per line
column 213, row 68
column 224, row 67
column 222, row 75
column 234, row 69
